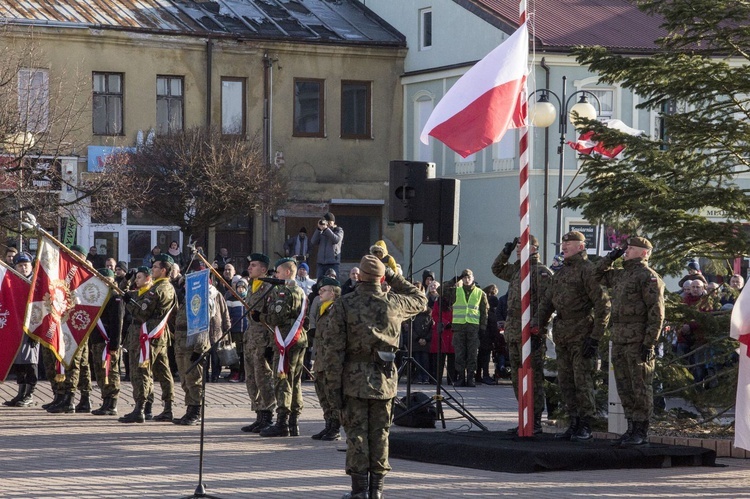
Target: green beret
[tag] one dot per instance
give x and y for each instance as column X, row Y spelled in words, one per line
column 328, row 281
column 106, row 272
column 259, row 257
column 282, row 261
column 574, row 235
column 164, row 258
column 640, row 242
column 78, row 248
column 144, row 269
column 533, row 241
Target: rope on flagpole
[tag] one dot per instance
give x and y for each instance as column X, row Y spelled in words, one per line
column 525, row 384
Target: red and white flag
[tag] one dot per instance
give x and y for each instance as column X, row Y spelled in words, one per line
column 486, row 101
column 739, row 329
column 588, row 144
column 14, row 290
column 146, row 337
column 65, row 301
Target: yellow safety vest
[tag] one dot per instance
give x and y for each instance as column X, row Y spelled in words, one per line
column 467, row 313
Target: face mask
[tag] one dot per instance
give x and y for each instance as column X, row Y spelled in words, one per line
column 242, row 293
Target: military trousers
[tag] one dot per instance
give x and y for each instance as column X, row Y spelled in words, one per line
column 50, row 370
column 575, row 374
column 259, row 378
column 466, row 346
column 78, row 374
column 109, row 386
column 324, row 397
column 288, row 388
column 191, row 382
column 634, row 379
column 161, row 370
column 367, row 423
column 537, row 366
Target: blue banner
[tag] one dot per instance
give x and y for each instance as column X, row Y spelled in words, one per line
column 196, row 302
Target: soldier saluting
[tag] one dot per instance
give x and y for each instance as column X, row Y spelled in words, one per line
column 360, row 346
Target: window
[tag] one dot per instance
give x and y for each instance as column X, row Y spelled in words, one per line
column 33, row 99
column 308, row 108
column 606, row 100
column 107, row 112
column 233, row 106
column 356, row 110
column 169, row 104
column 423, row 109
column 425, row 29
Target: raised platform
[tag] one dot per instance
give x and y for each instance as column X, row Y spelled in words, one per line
column 498, row 451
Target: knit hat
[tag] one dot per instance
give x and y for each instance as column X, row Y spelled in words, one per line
column 241, row 282
column 22, row 258
column 106, row 272
column 574, row 235
column 692, row 265
column 329, row 217
column 466, row 273
column 371, row 268
column 303, row 265
column 122, row 265
column 303, row 230
column 259, row 257
column 642, row 242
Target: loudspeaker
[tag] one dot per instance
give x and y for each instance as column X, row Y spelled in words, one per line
column 407, row 190
column 441, row 215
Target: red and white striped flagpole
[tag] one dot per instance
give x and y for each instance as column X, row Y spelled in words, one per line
column 525, row 374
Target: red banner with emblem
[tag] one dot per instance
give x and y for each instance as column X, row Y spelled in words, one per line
column 14, row 290
column 65, row 301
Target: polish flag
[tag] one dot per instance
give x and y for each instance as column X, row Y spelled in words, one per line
column 739, row 329
column 14, row 290
column 588, row 144
column 485, row 102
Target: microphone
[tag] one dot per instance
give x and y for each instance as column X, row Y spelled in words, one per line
column 272, row 280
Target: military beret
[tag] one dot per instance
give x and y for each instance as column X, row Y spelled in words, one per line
column 259, row 257
column 106, row 272
column 163, row 258
column 371, row 267
column 122, row 265
column 282, row 261
column 22, row 258
column 640, row 242
column 533, row 241
column 574, row 235
column 78, row 249
column 143, row 269
column 327, row 281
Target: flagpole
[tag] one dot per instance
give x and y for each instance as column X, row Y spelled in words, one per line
column 14, row 271
column 525, row 375
column 219, row 276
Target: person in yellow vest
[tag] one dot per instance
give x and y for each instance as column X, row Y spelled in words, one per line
column 470, row 309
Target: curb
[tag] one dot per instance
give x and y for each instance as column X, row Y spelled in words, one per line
column 722, row 447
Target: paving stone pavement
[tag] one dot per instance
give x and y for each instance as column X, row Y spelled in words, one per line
column 87, row 456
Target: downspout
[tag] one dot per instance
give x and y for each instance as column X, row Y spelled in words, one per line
column 209, row 77
column 544, row 66
column 267, row 135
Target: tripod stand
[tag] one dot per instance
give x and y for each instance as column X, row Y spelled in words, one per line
column 441, row 395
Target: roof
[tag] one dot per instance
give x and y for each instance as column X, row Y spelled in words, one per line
column 562, row 24
column 328, row 21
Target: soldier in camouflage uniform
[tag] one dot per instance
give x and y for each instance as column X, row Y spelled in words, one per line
column 150, row 308
column 540, row 277
column 637, row 319
column 361, row 377
column 111, row 318
column 285, row 311
column 582, row 307
column 259, row 377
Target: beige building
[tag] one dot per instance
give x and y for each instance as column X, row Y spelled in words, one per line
column 319, row 85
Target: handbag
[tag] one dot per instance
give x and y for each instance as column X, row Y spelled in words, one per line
column 227, row 353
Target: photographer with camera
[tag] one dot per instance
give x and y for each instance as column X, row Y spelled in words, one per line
column 328, row 237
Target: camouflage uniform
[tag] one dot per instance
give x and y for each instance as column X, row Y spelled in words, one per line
column 582, row 307
column 363, row 323
column 637, row 318
column 191, row 382
column 540, row 278
column 259, row 377
column 112, row 318
column 151, row 307
column 282, row 308
column 322, row 324
column 78, row 375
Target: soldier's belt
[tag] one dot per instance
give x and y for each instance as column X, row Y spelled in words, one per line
column 629, row 320
column 571, row 317
column 359, row 358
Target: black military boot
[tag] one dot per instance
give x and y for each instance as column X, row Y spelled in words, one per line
column 55, row 401
column 84, row 405
column 137, row 416
column 294, row 425
column 572, row 429
column 625, row 435
column 66, row 405
column 27, row 400
column 376, row 485
column 19, row 396
column 192, row 416
column 460, row 380
column 166, row 414
column 319, row 436
column 583, row 433
column 639, row 436
column 538, row 430
column 470, row 382
column 280, row 429
column 148, row 411
column 266, row 422
column 249, row 428
column 333, row 432
column 112, row 410
column 101, row 411
column 359, row 487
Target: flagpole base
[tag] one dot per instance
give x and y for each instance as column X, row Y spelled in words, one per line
column 200, row 491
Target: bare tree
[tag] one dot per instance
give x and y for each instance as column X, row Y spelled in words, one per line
column 194, row 180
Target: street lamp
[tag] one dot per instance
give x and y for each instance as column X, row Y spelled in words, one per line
column 542, row 114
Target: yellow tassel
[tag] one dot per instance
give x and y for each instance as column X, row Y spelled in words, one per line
column 282, row 375
column 106, row 380
column 59, row 378
column 144, row 365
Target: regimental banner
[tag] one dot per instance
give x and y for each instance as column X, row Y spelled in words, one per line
column 13, row 292
column 196, row 302
column 65, row 301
